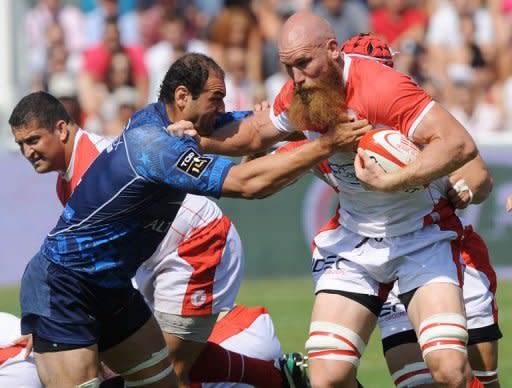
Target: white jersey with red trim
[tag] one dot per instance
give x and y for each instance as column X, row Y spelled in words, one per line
column 196, row 212
column 197, row 268
column 386, row 98
column 86, row 148
column 15, row 371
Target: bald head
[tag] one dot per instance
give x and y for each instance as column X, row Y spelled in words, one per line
column 305, row 29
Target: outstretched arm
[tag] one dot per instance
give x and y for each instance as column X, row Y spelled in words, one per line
column 263, row 176
column 254, row 134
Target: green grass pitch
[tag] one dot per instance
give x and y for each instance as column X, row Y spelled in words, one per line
column 289, row 302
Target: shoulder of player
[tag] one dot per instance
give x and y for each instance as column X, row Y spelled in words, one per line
column 372, row 77
column 284, row 98
column 372, row 70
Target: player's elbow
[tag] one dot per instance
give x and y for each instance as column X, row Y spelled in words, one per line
column 464, row 151
column 483, row 189
column 470, row 151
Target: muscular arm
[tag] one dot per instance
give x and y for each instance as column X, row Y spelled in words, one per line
column 253, row 134
column 448, row 148
column 263, row 176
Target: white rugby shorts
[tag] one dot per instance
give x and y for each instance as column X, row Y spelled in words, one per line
column 479, row 291
column 346, row 261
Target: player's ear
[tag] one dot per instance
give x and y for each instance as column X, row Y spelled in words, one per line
column 181, row 96
column 333, row 48
column 62, row 129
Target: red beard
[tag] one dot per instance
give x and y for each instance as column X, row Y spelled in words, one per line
column 320, row 107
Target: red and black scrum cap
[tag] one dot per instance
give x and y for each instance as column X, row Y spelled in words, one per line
column 369, row 46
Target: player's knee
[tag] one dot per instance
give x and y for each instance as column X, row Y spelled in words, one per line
column 443, row 339
column 449, row 375
column 154, row 370
column 443, row 332
column 414, row 374
column 332, row 342
column 329, row 341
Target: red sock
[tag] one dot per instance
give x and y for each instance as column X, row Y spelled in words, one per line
column 475, row 383
column 216, row 364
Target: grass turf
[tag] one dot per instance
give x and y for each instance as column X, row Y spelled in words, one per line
column 289, row 301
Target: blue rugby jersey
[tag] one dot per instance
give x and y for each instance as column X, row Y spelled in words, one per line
column 129, row 197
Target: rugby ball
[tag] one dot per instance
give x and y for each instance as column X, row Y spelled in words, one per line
column 389, row 148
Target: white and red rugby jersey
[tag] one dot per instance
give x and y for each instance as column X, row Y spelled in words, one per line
column 390, row 99
column 86, row 148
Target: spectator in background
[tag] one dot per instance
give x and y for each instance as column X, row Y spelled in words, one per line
column 38, row 21
column 62, row 85
column 174, row 43
column 57, row 58
column 124, row 100
column 98, row 73
column 398, row 22
column 347, row 17
column 445, row 33
column 150, row 16
column 274, row 83
column 235, row 26
column 270, row 16
column 509, row 204
column 96, row 22
column 241, row 92
column 468, row 105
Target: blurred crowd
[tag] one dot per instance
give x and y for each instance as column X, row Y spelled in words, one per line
column 106, row 58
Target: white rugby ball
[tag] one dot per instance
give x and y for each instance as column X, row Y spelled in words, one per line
column 389, row 148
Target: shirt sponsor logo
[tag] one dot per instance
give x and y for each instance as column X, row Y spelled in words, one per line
column 198, row 298
column 193, row 164
column 345, row 173
column 157, row 225
column 392, row 311
column 329, row 265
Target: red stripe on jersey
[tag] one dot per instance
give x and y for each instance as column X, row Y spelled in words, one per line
column 11, row 351
column 234, row 322
column 284, row 99
column 476, row 255
column 203, row 251
column 332, row 224
column 406, row 376
column 85, row 153
column 443, row 210
column 338, row 337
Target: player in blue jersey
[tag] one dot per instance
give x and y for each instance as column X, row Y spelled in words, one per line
column 76, row 294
